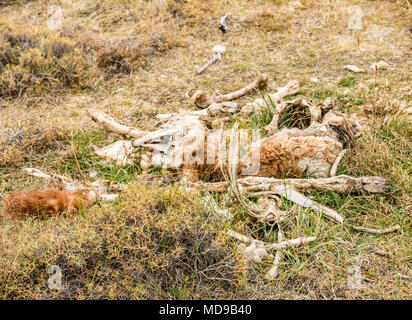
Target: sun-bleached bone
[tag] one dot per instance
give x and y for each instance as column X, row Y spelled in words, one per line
column 293, row 195
column 255, row 251
column 256, row 106
column 223, row 22
column 211, row 203
column 290, row 243
column 120, row 152
column 268, row 212
column 111, row 125
column 335, row 165
column 217, row 51
column 201, row 100
column 341, row 184
column 276, row 246
column 263, row 185
column 153, row 137
column 97, row 192
column 272, row 273
column 66, row 183
column 377, row 231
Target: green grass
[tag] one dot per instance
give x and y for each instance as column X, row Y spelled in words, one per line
column 82, row 160
column 348, row 81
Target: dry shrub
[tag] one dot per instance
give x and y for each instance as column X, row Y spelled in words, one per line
column 189, row 12
column 153, row 244
column 19, row 145
column 41, row 61
column 127, row 54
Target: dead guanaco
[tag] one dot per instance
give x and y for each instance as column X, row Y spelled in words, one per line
column 43, row 203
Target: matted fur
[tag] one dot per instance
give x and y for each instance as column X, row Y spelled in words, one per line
column 43, row 203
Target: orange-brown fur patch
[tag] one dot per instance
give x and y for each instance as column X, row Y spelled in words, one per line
column 44, row 203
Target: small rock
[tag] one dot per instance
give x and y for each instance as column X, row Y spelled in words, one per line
column 297, row 5
column 353, row 68
column 314, row 80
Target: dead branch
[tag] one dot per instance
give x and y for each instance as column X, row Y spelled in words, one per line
column 201, row 100
column 377, row 231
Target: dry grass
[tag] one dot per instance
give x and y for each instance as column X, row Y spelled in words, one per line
column 133, row 60
column 162, row 245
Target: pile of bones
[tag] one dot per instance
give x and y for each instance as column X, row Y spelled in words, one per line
column 186, row 143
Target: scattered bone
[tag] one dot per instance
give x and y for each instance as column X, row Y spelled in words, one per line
column 377, row 231
column 256, row 106
column 64, row 182
column 120, row 152
column 290, row 243
column 211, row 203
column 335, row 165
column 223, row 23
column 217, row 51
column 346, row 128
column 306, row 31
column 276, row 246
column 111, row 125
column 255, row 251
column 403, row 276
column 239, row 236
column 353, row 68
column 201, row 100
column 262, row 186
column 314, row 80
column 272, row 273
column 379, row 65
column 268, row 212
column 379, row 251
column 341, row 183
column 303, row 201
column 100, row 193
